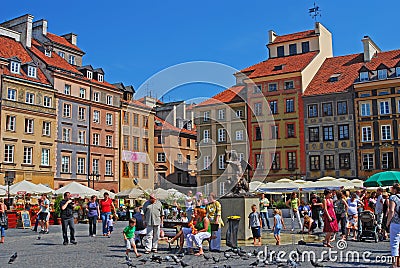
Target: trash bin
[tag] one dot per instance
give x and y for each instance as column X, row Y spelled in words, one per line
column 231, row 233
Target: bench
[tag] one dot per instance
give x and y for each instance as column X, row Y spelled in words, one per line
column 168, row 233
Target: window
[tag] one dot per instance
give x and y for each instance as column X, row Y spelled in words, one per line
column 30, row 98
column 221, row 135
column 15, row 66
column 47, row 101
column 125, row 116
column 222, row 188
column 239, row 113
column 125, row 169
column 8, row 153
column 95, row 166
column 65, row 164
column 180, row 159
column 81, row 165
column 272, row 87
column 312, row 110
column 397, row 71
column 275, row 161
column 366, row 134
column 289, row 84
column 96, row 117
column 82, row 93
column 314, row 162
column 344, row 161
column 258, row 133
column 365, row 109
column 67, row 89
column 239, row 135
column 257, row 89
column 161, row 139
column 273, row 105
column 368, row 161
column 89, row 74
column 146, row 122
column 66, row 134
column 221, row 114
column 329, row 162
column 109, row 119
column 145, row 170
column 10, row 123
column 66, row 110
column 81, row 113
column 11, row 94
column 241, row 156
column 161, row 157
column 46, row 129
column 109, row 168
column 96, row 139
column 290, row 133
column 384, row 107
column 290, row 106
column 109, row 141
column 206, row 116
column 292, row 49
column 206, row 136
column 100, row 77
column 96, row 96
column 364, row 76
column 81, row 137
column 305, row 47
column 327, row 109
column 71, row 59
column 32, row 71
column 135, row 169
column 188, row 143
column 382, row 74
column 135, row 119
column 343, row 132
column 45, row 159
column 387, row 160
column 291, row 158
column 274, row 132
column 47, row 53
column 29, row 126
column 328, row 133
column 126, row 142
column 258, row 108
column 135, row 143
column 207, row 162
column 280, row 51
column 386, row 133
column 221, row 161
column 27, row 155
column 313, row 133
column 342, row 107
column 61, row 54
column 259, row 161
column 109, row 99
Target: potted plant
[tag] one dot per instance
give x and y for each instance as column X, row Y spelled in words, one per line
column 57, row 208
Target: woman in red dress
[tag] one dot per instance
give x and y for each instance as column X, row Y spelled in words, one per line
column 330, row 222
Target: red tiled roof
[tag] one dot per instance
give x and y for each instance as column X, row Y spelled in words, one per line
column 294, row 63
column 137, row 103
column 61, row 40
column 294, row 36
column 167, row 126
column 10, row 48
column 225, row 96
column 348, row 67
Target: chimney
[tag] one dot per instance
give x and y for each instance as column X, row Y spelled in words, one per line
column 271, row 36
column 39, row 28
column 22, row 25
column 370, row 48
column 71, row 37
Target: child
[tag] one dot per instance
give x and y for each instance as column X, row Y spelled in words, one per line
column 278, row 223
column 110, row 225
column 255, row 223
column 129, row 238
column 184, row 217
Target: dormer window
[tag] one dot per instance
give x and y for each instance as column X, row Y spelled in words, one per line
column 292, row 49
column 47, row 53
column 14, row 67
column 278, row 67
column 61, row 54
column 364, row 76
column 397, row 71
column 32, row 71
column 71, row 59
column 100, row 77
column 89, row 74
column 334, row 78
column 305, row 47
column 382, row 74
column 280, row 51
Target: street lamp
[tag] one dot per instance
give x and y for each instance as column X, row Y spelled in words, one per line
column 93, row 176
column 9, row 180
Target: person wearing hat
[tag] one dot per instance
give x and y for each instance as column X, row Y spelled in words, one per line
column 153, row 220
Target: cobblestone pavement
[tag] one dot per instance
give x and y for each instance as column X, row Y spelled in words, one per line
column 109, row 252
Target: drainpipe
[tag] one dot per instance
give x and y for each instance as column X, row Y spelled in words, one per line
column 119, row 147
column 89, row 135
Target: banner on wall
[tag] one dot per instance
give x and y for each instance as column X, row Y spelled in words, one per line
column 135, row 157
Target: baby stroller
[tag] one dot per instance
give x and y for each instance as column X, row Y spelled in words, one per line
column 369, row 226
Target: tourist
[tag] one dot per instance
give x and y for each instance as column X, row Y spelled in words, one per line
column 255, row 224
column 293, row 203
column 385, row 210
column 278, row 225
column 202, row 231
column 352, row 215
column 330, row 223
column 316, row 208
column 304, row 209
column 214, row 213
column 3, row 220
column 264, row 204
column 129, row 234
column 199, row 199
column 153, row 218
column 189, row 203
column 140, row 228
column 106, row 206
column 184, row 217
column 93, row 213
column 379, row 208
column 67, row 218
column 340, row 210
column 393, row 221
column 43, row 214
column 185, row 231
column 110, row 225
column 309, row 223
column 37, row 217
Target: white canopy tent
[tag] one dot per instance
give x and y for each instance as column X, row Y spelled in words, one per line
column 26, row 187
column 131, row 193
column 160, row 193
column 45, row 189
column 77, row 189
column 102, row 191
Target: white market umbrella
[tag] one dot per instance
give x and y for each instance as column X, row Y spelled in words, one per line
column 254, row 185
column 280, row 186
column 130, row 193
column 24, row 187
column 77, row 189
column 176, row 194
column 160, row 193
column 102, row 191
column 3, row 192
column 45, row 189
column 358, row 183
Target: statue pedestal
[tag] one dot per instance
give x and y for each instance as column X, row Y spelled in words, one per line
column 238, row 206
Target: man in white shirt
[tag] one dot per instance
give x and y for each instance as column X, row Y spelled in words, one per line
column 379, row 207
column 44, row 214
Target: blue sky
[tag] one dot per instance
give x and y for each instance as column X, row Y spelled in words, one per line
column 133, row 40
